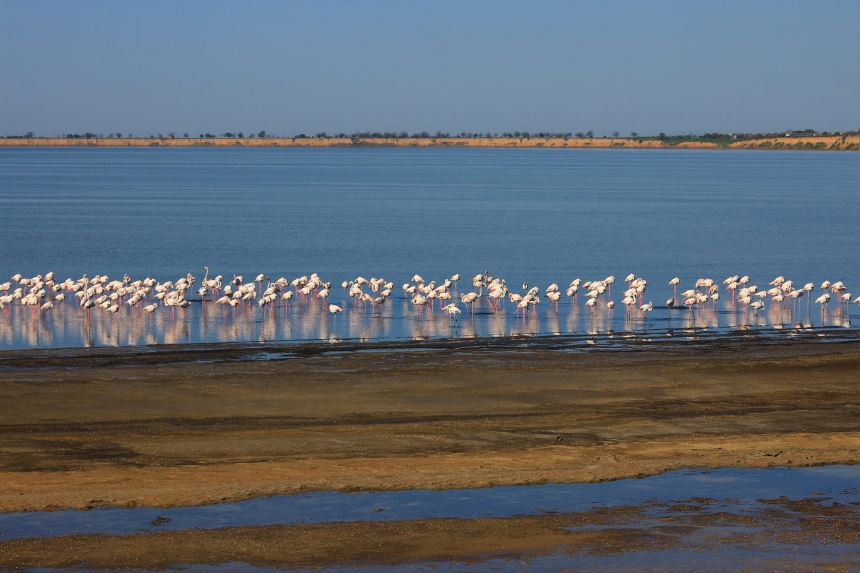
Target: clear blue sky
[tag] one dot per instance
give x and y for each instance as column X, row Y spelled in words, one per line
column 293, row 67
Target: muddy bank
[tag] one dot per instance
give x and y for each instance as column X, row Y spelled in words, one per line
column 113, row 427
column 774, row 525
column 341, row 543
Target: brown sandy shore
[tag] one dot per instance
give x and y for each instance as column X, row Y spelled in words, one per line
column 831, row 143
column 198, row 425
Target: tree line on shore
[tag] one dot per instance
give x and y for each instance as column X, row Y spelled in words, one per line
column 462, row 135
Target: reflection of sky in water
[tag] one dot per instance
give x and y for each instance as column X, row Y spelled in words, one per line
column 735, row 489
column 67, row 325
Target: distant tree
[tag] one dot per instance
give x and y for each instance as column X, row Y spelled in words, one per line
column 589, row 134
column 615, row 134
column 301, row 136
column 171, row 135
column 118, row 134
column 580, row 135
column 261, row 134
column 240, row 135
column 321, row 135
column 185, row 135
column 633, row 134
column 662, row 135
column 29, row 134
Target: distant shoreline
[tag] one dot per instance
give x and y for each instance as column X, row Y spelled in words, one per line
column 816, row 143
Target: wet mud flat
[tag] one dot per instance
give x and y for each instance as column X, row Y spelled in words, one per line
column 775, row 534
column 195, row 425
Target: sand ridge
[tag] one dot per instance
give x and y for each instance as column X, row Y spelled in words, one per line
column 831, row 143
column 187, row 485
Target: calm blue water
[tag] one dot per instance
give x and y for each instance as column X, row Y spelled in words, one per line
column 535, row 216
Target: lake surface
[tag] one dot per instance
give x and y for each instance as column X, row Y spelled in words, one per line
column 527, row 215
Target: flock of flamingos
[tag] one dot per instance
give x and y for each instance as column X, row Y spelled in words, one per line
column 101, row 294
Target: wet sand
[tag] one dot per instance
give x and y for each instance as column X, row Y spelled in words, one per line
column 198, row 425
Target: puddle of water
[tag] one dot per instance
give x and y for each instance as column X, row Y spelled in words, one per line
column 740, row 487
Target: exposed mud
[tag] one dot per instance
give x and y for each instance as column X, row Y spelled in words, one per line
column 198, row 425
column 697, row 523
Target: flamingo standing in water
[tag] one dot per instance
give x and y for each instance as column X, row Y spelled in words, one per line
column 757, row 306
column 334, row 309
column 455, row 279
column 453, row 312
column 419, row 301
column 675, row 282
column 469, row 299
